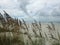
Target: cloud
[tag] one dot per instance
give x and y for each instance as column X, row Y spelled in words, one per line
column 9, row 4
column 42, row 10
column 45, row 5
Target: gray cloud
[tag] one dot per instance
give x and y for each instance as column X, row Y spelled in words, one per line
column 42, row 10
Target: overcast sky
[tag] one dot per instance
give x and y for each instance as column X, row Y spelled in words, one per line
column 40, row 10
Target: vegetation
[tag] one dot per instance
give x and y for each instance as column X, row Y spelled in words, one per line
column 16, row 32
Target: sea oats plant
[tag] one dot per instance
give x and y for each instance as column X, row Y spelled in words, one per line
column 16, row 32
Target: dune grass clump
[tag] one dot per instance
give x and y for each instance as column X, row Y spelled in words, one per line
column 14, row 32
